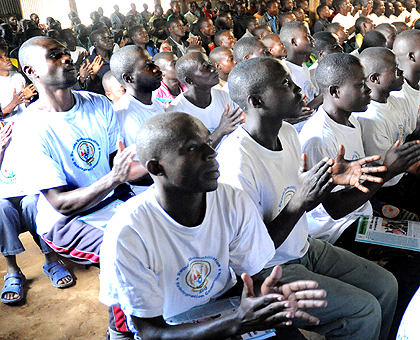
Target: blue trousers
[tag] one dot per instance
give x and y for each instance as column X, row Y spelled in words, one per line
column 17, row 215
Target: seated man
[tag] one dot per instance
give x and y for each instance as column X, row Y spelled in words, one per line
column 113, row 89
column 134, row 69
column 170, row 87
column 341, row 80
column 175, row 42
column 176, row 246
column 73, row 149
column 140, row 38
column 299, row 44
column 251, row 24
column 17, row 215
column 262, row 158
column 385, row 122
column 262, row 31
column 390, row 33
column 213, row 107
column 222, row 59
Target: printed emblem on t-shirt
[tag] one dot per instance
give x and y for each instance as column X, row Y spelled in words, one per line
column 401, row 133
column 286, row 197
column 86, row 154
column 7, row 177
column 356, row 155
column 197, row 279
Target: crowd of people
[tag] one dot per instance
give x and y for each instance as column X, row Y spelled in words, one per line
column 225, row 151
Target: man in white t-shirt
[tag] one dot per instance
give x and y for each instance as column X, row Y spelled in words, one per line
column 71, row 150
column 343, row 16
column 178, row 245
column 385, row 122
column 213, row 107
column 341, row 78
column 262, row 158
column 406, row 47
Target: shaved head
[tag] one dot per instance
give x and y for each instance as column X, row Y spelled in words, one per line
column 376, row 59
column 162, row 134
column 124, row 60
column 407, row 42
column 30, row 49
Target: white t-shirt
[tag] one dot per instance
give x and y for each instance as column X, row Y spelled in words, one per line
column 382, row 125
column 68, row 148
column 301, row 76
column 409, row 100
column 382, row 19
column 13, row 81
column 151, row 265
column 209, row 116
column 312, row 74
column 75, row 54
column 409, row 329
column 347, row 21
column 320, row 137
column 270, row 178
column 132, row 114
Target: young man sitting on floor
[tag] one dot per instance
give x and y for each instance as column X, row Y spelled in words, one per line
column 176, row 246
column 262, row 157
column 213, row 107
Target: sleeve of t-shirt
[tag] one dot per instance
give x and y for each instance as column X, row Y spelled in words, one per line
column 125, row 277
column 252, row 246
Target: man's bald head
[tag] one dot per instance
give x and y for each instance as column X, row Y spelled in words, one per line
column 186, row 65
column 247, row 48
column 31, row 48
column 162, row 134
column 407, row 42
column 124, row 60
column 376, row 59
column 252, row 76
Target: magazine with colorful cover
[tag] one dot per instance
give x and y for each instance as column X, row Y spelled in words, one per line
column 401, row 234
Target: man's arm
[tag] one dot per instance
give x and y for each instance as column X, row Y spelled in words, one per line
column 314, row 185
column 397, row 160
column 69, row 202
column 254, row 313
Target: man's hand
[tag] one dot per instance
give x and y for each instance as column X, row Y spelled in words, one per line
column 228, row 122
column 314, row 184
column 95, row 66
column 5, row 136
column 400, row 158
column 81, row 57
column 28, row 91
column 123, row 162
column 307, row 113
column 352, row 172
column 18, row 98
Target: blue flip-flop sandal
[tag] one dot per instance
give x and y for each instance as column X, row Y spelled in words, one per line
column 13, row 283
column 56, row 271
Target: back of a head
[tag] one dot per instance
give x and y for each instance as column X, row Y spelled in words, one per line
column 218, row 36
column 245, row 47
column 260, row 29
column 333, row 27
column 322, row 40
column 373, row 39
column 335, row 69
column 406, row 42
column 216, row 53
column 359, row 22
column 123, row 61
column 374, row 58
column 159, row 58
column 252, row 76
column 106, row 81
column 160, row 132
column 29, row 50
column 288, row 31
column 186, row 64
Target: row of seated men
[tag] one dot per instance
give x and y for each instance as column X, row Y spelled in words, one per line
column 155, row 256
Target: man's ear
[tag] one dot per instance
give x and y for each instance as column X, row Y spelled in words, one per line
column 255, row 101
column 374, row 78
column 411, row 57
column 293, row 41
column 154, row 167
column 334, row 91
column 127, row 78
column 29, row 71
column 218, row 66
column 188, row 80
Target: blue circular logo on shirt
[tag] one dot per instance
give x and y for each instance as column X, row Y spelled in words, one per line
column 86, row 154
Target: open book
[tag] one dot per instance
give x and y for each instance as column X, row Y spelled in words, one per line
column 399, row 234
